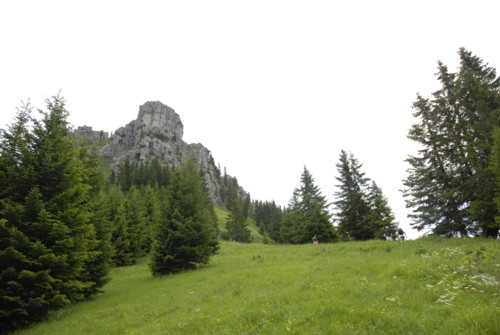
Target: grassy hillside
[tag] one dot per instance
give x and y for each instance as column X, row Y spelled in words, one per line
column 427, row 286
column 221, row 218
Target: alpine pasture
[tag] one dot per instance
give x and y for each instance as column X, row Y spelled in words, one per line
column 424, row 286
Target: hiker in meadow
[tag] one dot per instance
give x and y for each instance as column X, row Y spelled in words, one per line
column 315, row 239
column 388, row 234
column 401, row 234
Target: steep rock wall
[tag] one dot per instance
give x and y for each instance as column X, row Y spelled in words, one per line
column 157, row 133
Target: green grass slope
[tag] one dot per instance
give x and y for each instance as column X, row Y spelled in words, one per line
column 426, row 286
column 252, row 226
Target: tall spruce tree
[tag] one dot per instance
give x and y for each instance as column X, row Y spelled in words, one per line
column 229, row 190
column 495, row 165
column 247, row 204
column 98, row 266
column 127, row 174
column 152, row 214
column 380, row 215
column 46, row 237
column 122, row 254
column 351, row 204
column 237, row 224
column 186, row 236
column 136, row 221
column 307, row 214
column 451, row 186
column 290, row 226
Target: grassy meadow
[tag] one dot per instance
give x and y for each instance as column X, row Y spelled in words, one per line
column 426, row 286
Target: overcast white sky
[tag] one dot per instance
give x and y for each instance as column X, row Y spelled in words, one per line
column 268, row 86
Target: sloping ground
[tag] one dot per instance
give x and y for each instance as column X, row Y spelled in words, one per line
column 427, row 286
column 222, row 216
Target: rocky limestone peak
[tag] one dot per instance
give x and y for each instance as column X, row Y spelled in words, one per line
column 156, row 117
column 157, row 133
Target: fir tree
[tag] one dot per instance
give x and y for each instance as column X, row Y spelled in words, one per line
column 246, row 206
column 98, row 265
column 152, row 214
column 450, row 185
column 291, row 221
column 229, row 190
column 237, row 225
column 117, row 216
column 185, row 237
column 127, row 174
column 269, row 215
column 46, row 237
column 495, row 166
column 380, row 215
column 136, row 221
column 307, row 214
column 351, row 205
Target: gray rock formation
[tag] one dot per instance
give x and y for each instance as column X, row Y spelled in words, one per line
column 85, row 133
column 157, row 133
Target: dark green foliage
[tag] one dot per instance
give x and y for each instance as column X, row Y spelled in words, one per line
column 136, row 221
column 207, row 202
column 229, row 190
column 98, row 266
column 152, row 215
column 307, row 214
column 495, row 165
column 126, row 174
column 352, row 207
column 17, row 158
column 268, row 216
column 117, row 216
column 142, row 174
column 122, row 253
column 47, row 241
column 135, row 207
column 237, row 225
column 362, row 211
column 451, row 186
column 185, row 237
column 290, row 227
column 380, row 214
column 247, row 203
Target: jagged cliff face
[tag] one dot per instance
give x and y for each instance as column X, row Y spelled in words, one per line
column 157, row 133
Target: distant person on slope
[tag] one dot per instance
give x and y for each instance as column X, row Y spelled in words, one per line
column 388, row 234
column 401, row 234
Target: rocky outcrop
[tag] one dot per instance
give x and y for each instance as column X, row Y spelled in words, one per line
column 86, row 134
column 157, row 133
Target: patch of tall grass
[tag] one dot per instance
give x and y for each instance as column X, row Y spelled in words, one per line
column 426, row 286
